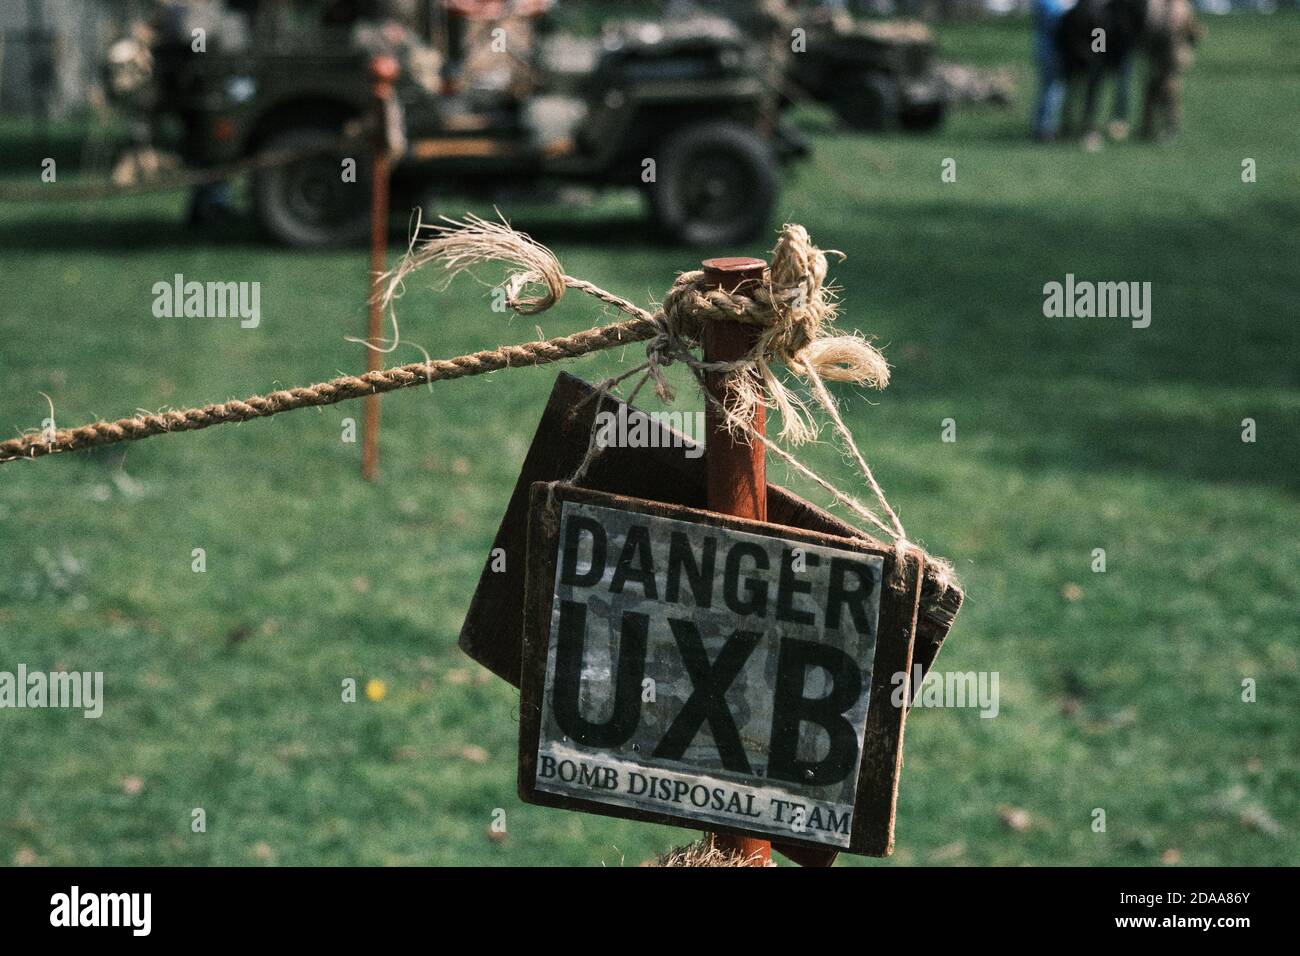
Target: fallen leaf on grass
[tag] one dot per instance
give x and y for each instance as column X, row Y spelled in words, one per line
column 1015, row 818
column 950, row 851
column 1257, row 818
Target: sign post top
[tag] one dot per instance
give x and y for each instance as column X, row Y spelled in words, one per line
column 726, row 266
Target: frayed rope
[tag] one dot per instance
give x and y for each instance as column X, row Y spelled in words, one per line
column 792, row 306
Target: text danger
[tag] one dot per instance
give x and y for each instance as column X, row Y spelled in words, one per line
column 708, row 673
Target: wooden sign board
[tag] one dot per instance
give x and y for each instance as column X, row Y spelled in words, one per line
column 668, row 470
column 685, row 667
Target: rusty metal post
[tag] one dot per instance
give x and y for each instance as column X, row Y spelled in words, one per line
column 737, row 471
column 383, row 74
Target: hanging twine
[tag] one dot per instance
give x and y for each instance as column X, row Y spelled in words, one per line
column 791, row 305
column 794, row 310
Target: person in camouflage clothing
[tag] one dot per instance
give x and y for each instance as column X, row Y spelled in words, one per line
column 1171, row 31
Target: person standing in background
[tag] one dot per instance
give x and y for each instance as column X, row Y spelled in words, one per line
column 1047, row 16
column 1172, row 30
column 176, row 23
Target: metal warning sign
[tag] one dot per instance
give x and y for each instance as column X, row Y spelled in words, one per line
column 717, row 671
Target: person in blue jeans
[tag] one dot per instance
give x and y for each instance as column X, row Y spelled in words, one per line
column 1047, row 16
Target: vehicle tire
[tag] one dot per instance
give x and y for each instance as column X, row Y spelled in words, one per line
column 306, row 203
column 868, row 103
column 925, row 118
column 716, row 186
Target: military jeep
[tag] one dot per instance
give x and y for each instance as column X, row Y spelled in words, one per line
column 874, row 74
column 681, row 112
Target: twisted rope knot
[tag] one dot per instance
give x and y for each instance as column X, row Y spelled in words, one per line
column 794, row 309
column 790, row 302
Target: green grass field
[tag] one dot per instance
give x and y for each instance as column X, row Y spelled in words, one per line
column 1119, row 690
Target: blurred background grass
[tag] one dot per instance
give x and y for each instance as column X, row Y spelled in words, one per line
column 1119, row 690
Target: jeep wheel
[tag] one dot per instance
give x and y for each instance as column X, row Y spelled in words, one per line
column 868, row 103
column 716, row 185
column 923, row 118
column 306, row 203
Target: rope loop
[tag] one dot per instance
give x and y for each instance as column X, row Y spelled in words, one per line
column 794, row 309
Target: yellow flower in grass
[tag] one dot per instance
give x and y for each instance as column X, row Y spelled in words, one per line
column 376, row 689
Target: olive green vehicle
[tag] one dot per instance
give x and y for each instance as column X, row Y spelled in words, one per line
column 875, row 75
column 682, row 113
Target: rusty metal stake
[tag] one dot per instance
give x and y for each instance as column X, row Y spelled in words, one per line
column 383, row 74
column 737, row 472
